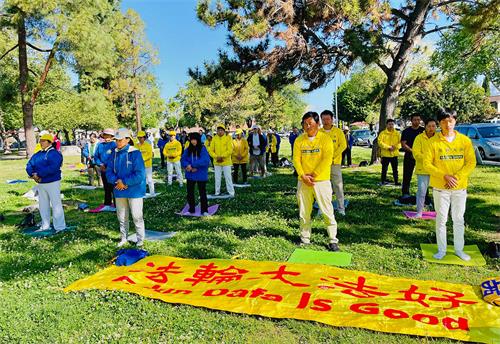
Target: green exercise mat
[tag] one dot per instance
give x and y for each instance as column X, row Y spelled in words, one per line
column 477, row 259
column 320, row 257
column 33, row 231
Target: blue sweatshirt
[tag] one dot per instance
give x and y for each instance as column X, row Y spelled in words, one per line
column 127, row 164
column 103, row 152
column 201, row 163
column 46, row 164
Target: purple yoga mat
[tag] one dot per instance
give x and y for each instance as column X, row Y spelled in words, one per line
column 426, row 215
column 197, row 213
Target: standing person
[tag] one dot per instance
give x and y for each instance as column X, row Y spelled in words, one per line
column 146, row 150
column 278, row 143
column 346, row 155
column 240, row 156
column 257, row 147
column 389, row 141
column 293, row 136
column 207, row 143
column 195, row 161
column 407, row 138
column 81, row 143
column 312, row 157
column 220, row 150
column 418, row 149
column 449, row 159
column 89, row 151
column 162, row 141
column 56, row 141
column 126, row 172
column 101, row 157
column 203, row 137
column 45, row 169
column 339, row 145
column 173, row 152
column 272, row 150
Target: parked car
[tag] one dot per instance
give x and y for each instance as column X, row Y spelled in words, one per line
column 364, row 137
column 485, row 137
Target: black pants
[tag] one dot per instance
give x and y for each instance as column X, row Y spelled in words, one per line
column 346, row 154
column 108, row 190
column 243, row 172
column 202, row 190
column 408, row 167
column 274, row 158
column 394, row 165
column 162, row 157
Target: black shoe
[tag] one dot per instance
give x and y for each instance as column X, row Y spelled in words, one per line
column 333, row 247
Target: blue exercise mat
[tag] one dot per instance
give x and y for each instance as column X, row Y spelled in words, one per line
column 36, row 233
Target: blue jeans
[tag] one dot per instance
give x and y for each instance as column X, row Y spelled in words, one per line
column 423, row 184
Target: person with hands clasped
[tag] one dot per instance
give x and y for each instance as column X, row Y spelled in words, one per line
column 101, row 157
column 221, row 149
column 173, row 152
column 389, row 141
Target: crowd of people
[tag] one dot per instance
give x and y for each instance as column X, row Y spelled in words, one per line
column 124, row 165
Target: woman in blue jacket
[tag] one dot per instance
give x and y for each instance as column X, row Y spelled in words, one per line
column 101, row 157
column 126, row 172
column 195, row 161
column 45, row 169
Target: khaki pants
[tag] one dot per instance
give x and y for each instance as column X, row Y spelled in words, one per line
column 338, row 185
column 322, row 192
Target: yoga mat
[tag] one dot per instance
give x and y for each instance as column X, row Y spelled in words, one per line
column 152, row 236
column 320, row 257
column 219, row 197
column 84, row 187
column 33, row 231
column 99, row 209
column 477, row 258
column 426, row 215
column 16, row 181
column 241, row 185
column 148, row 195
column 197, row 212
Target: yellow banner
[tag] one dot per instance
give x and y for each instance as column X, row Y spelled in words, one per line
column 320, row 293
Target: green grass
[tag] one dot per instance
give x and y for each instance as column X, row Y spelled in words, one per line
column 260, row 224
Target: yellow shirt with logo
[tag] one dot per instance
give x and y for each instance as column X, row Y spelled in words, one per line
column 147, row 153
column 273, row 145
column 418, row 149
column 454, row 158
column 387, row 139
column 240, row 147
column 173, row 149
column 221, row 147
column 313, row 156
column 339, row 143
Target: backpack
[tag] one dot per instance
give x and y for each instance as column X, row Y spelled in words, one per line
column 494, row 249
column 126, row 257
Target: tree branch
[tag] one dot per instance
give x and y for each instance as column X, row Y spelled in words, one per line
column 38, row 49
column 8, row 51
column 392, row 38
column 449, row 2
column 384, row 68
column 400, row 14
column 441, row 28
column 46, row 69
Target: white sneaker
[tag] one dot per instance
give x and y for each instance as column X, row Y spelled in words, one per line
column 205, row 214
column 418, row 215
column 462, row 255
column 139, row 244
column 439, row 255
column 122, row 243
column 341, row 212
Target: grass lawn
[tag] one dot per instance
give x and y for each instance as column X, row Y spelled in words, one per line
column 260, row 224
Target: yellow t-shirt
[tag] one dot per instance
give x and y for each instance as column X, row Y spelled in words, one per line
column 387, row 139
column 221, row 147
column 240, row 147
column 421, row 141
column 339, row 143
column 174, row 149
column 147, row 153
column 313, row 156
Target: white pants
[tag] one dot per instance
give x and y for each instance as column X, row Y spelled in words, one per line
column 149, row 180
column 443, row 199
column 49, row 195
column 227, row 176
column 178, row 172
column 338, row 184
column 122, row 212
column 322, row 192
column 423, row 185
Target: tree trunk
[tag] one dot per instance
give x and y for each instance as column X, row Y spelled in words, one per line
column 395, row 74
column 27, row 106
column 137, row 111
column 66, row 134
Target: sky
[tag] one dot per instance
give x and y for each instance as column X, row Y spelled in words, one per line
column 183, row 41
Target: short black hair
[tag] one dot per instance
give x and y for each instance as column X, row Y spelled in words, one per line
column 310, row 114
column 428, row 120
column 327, row 113
column 414, row 115
column 389, row 121
column 446, row 113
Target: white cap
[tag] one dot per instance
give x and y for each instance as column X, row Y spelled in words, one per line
column 255, row 126
column 122, row 133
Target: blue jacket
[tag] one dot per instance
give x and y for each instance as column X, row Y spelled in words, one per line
column 292, row 138
column 350, row 142
column 86, row 152
column 161, row 144
column 127, row 164
column 103, row 152
column 201, row 163
column 278, row 140
column 46, row 164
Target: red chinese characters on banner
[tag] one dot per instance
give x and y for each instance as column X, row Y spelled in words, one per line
column 211, row 274
column 357, row 289
column 453, row 299
column 281, row 272
column 159, row 275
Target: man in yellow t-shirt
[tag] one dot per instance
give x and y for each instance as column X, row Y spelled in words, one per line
column 147, row 155
column 220, row 150
column 240, row 156
column 312, row 159
column 418, row 148
column 389, row 141
column 449, row 159
column 173, row 152
column 339, row 145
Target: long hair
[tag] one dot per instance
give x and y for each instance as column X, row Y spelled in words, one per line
column 195, row 150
